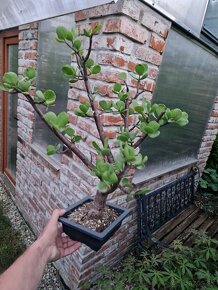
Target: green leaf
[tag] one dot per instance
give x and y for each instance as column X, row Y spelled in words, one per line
column 87, row 32
column 139, row 109
column 183, row 121
column 125, row 182
column 62, row 120
column 84, row 107
column 95, row 69
column 77, row 138
column 119, row 163
column 106, row 105
column 97, row 28
column 24, row 85
column 79, row 113
column 3, row 88
column 69, row 36
column 51, row 150
column 141, row 69
column 154, row 135
column 51, row 118
column 68, row 70
column 39, row 96
column 142, row 191
column 123, row 138
column 120, row 106
column 10, row 78
column 102, row 186
column 96, row 146
column 30, row 73
column 122, row 96
column 117, row 88
column 77, row 44
column 70, row 132
column 89, row 63
column 50, row 97
column 158, row 108
column 61, row 33
column 122, row 76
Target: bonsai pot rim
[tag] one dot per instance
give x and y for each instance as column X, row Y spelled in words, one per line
column 92, row 233
column 95, row 240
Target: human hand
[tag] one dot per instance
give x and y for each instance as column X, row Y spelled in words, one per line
column 55, row 246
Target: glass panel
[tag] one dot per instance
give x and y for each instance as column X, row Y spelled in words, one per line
column 51, row 57
column 12, row 113
column 187, row 80
column 211, row 18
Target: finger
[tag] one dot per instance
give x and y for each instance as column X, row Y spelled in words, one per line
column 56, row 214
column 71, row 249
column 68, row 242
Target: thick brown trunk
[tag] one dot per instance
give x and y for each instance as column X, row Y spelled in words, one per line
column 98, row 205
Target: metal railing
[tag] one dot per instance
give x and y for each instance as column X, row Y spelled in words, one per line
column 157, row 207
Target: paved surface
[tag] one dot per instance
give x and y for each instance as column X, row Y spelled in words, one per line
column 50, row 279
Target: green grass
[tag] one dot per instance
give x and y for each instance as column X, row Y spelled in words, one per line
column 10, row 244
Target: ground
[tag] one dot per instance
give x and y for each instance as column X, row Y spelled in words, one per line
column 15, row 225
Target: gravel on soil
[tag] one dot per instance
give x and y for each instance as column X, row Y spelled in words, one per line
column 51, row 279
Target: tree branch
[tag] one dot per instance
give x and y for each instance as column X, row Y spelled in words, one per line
column 133, row 127
column 140, row 140
column 96, row 114
column 70, row 145
column 120, row 176
column 89, row 49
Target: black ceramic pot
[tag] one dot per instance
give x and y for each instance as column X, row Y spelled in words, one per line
column 87, row 236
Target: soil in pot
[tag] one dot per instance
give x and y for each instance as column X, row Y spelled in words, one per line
column 80, row 216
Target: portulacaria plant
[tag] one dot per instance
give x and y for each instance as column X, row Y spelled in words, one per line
column 141, row 119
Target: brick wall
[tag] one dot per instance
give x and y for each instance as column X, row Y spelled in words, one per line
column 1, row 123
column 209, row 137
column 132, row 33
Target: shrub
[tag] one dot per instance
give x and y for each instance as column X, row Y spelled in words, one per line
column 180, row 268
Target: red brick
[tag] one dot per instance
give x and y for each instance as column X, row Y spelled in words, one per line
column 214, row 114
column 148, row 55
column 147, row 85
column 118, row 43
column 72, row 118
column 156, row 23
column 157, row 43
column 89, row 25
column 127, row 27
column 110, row 134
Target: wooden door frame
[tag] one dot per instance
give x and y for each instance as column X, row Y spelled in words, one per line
column 8, row 37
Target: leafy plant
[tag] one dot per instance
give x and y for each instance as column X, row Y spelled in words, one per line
column 180, row 268
column 212, row 161
column 111, row 169
column 209, row 180
column 208, row 184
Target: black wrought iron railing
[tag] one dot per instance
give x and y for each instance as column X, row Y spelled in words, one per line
column 159, row 206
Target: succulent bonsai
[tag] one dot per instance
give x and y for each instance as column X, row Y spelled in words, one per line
column 141, row 119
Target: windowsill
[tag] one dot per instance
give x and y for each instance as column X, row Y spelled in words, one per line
column 39, row 150
column 141, row 176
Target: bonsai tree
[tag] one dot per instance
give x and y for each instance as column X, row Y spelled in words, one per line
column 140, row 118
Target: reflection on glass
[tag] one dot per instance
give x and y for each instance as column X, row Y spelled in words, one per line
column 211, row 18
column 51, row 57
column 12, row 113
column 187, row 80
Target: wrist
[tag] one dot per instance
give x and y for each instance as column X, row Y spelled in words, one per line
column 42, row 248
